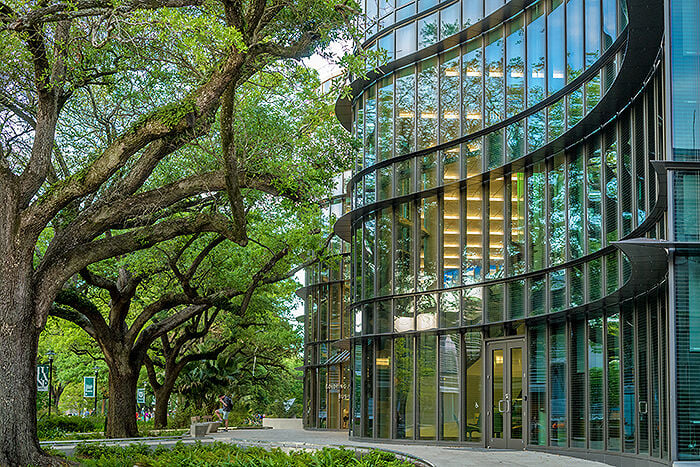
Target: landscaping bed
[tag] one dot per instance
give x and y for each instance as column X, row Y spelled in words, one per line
column 221, row 454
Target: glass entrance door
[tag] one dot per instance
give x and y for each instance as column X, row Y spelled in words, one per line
column 505, row 388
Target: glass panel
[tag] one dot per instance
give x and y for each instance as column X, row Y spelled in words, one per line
column 557, row 211
column 609, row 22
column 593, row 28
column 472, row 385
column 536, row 43
column 384, row 250
column 427, row 267
column 493, row 62
column 577, row 289
column 515, row 140
column 557, row 285
column 557, row 119
column 574, row 39
column 427, row 394
column 449, row 96
column 499, row 403
column 450, row 356
column 449, row 21
column 427, row 104
column 404, row 264
column 472, row 157
column 472, row 305
column 577, row 368
column 537, row 216
column 492, row 5
column 406, row 40
column 383, row 362
column 450, row 248
column 595, row 234
column 516, row 234
column 536, row 130
column 557, row 384
column 384, row 316
column 494, row 304
column 610, row 183
column 471, row 86
column 403, row 315
column 368, row 407
column 427, row 30
column 403, row 387
column 686, row 206
column 369, row 257
column 385, row 189
column 628, row 377
column 595, row 388
column 642, row 372
column 335, row 306
column 449, row 309
column 516, row 299
column 595, row 280
column 450, row 165
column 575, row 103
column 471, row 13
column 386, row 116
column 370, row 126
column 322, row 399
column 357, row 390
column 556, row 38
column 538, row 385
column 386, row 44
column 405, row 111
column 613, row 412
column 473, row 237
column 496, row 231
column 537, row 295
column 515, row 66
column 592, row 92
column 576, row 204
column 493, row 148
column 516, row 393
column 404, row 177
column 426, row 315
column 428, row 171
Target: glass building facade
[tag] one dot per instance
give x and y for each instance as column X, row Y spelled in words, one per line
column 524, row 269
column 327, row 328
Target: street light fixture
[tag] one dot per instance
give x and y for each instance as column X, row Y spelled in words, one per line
column 50, row 354
column 96, row 368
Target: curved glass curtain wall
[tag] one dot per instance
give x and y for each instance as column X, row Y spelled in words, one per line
column 327, row 326
column 490, row 78
column 473, row 246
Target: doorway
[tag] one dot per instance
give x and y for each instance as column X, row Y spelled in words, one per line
column 505, row 393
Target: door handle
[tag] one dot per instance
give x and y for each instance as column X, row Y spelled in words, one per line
column 500, row 406
column 643, row 407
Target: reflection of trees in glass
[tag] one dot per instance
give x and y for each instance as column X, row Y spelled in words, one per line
column 471, row 305
column 404, row 248
column 427, row 389
column 403, row 386
column 449, row 96
column 537, row 216
column 368, row 262
column 427, row 278
column 556, row 119
column 516, row 238
column 576, row 201
column 595, row 382
column 471, row 88
column 557, row 214
column 384, row 248
column 493, row 62
column 427, row 103
column 473, row 388
column 405, row 111
column 386, row 118
column 427, row 31
column 613, row 385
column 594, row 199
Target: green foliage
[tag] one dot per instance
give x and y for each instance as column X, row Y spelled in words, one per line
column 228, row 455
column 57, row 426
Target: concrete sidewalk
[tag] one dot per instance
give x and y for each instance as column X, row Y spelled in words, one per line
column 439, row 456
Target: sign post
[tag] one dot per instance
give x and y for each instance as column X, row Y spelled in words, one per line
column 42, row 378
column 88, row 386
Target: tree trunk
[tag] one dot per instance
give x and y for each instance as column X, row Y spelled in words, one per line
column 121, row 414
column 19, row 445
column 163, row 398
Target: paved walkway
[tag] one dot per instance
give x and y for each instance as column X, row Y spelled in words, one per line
column 439, row 456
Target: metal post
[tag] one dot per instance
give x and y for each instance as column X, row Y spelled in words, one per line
column 50, row 354
column 95, row 389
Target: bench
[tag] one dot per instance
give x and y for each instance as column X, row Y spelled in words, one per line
column 202, row 426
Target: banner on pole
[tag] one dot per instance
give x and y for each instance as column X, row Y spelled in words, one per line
column 88, row 386
column 141, row 396
column 42, row 378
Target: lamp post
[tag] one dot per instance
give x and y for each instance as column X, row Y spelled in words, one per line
column 96, row 368
column 50, row 354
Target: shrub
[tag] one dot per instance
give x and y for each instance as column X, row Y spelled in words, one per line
column 58, row 425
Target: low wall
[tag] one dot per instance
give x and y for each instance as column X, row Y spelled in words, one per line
column 283, row 423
